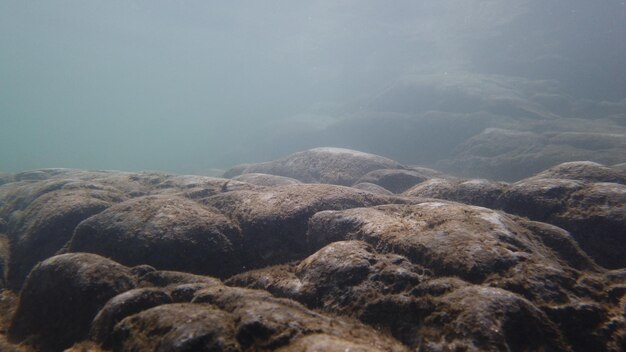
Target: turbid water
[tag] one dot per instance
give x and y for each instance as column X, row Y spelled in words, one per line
column 195, row 85
column 328, row 176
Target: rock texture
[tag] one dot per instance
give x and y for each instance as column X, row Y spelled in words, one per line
column 274, row 222
column 479, row 192
column 265, row 179
column 47, row 224
column 584, row 198
column 61, row 297
column 447, row 264
column 321, row 165
column 167, row 232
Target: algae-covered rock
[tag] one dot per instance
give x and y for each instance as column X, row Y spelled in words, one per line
column 321, row 165
column 167, row 232
column 62, row 295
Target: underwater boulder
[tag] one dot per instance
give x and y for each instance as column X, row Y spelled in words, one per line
column 43, row 228
column 192, row 186
column 474, row 243
column 539, row 198
column 584, row 171
column 596, row 218
column 166, row 232
column 388, row 292
column 235, row 319
column 396, row 180
column 370, row 187
column 4, row 256
column 176, row 327
column 321, row 165
column 349, row 278
column 478, row 192
column 125, row 304
column 593, row 213
column 265, row 179
column 62, row 295
column 476, row 318
column 274, row 222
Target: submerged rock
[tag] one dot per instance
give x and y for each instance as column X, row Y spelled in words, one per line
column 584, row 171
column 397, row 180
column 4, row 256
column 126, row 304
column 594, row 213
column 61, row 297
column 43, row 228
column 372, row 271
column 475, row 318
column 274, row 222
column 321, row 165
column 479, row 192
column 596, row 217
column 265, row 179
column 235, row 319
column 370, row 187
column 166, row 232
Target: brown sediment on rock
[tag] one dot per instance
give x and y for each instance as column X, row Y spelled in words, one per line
column 202, row 263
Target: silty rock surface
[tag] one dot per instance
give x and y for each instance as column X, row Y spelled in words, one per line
column 109, row 260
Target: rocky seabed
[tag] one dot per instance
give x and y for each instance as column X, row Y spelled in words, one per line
column 324, row 250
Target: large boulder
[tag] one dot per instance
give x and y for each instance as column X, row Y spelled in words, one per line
column 476, row 244
column 479, row 192
column 321, row 165
column 4, row 256
column 351, row 278
column 265, row 179
column 594, row 213
column 584, row 171
column 471, row 242
column 538, row 199
column 167, row 232
column 596, row 217
column 176, row 327
column 61, row 297
column 398, row 180
column 478, row 318
column 41, row 229
column 235, row 319
column 422, row 310
column 274, row 222
column 194, row 187
column 394, row 288
column 125, row 304
column 374, row 188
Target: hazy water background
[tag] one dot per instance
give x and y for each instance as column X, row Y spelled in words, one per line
column 185, row 86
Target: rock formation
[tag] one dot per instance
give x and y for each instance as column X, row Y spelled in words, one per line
column 407, row 259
